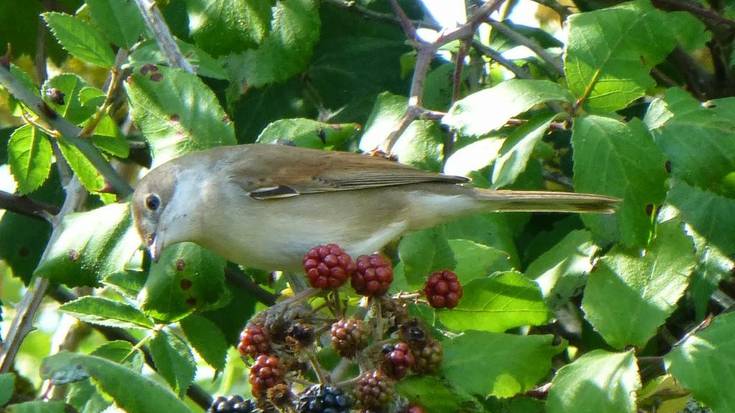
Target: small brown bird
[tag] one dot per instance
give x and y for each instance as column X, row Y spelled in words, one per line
column 264, row 206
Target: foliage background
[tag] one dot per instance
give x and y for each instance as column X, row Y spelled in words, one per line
column 562, row 313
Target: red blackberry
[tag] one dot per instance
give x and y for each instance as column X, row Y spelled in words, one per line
column 428, row 358
column 443, row 289
column 373, row 275
column 254, row 341
column 232, row 404
column 349, row 336
column 397, row 359
column 323, row 399
column 327, row 266
column 374, row 389
column 264, row 374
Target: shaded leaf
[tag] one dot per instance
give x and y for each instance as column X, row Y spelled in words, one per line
column 436, row 395
column 308, row 133
column 203, row 63
column 38, row 407
column 7, row 387
column 207, row 339
column 173, row 360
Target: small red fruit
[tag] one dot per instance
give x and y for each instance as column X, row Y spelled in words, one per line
column 349, row 336
column 373, row 275
column 328, row 266
column 374, row 389
column 397, row 359
column 265, row 373
column 254, row 341
column 443, row 289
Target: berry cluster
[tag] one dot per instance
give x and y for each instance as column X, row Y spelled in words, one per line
column 232, row 404
column 285, row 343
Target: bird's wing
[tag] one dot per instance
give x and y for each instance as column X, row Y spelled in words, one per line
column 275, row 171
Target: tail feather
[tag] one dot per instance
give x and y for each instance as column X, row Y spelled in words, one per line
column 547, row 201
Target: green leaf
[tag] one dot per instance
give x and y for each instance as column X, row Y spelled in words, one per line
column 502, row 365
column 436, row 395
column 121, row 352
column 618, row 159
column 387, row 112
column 173, row 360
column 38, row 406
column 610, row 53
column 88, row 175
column 203, row 63
column 487, row 110
column 126, row 282
column 108, row 138
column 476, row 260
column 176, row 112
column 713, row 266
column 561, row 271
column 227, row 26
column 117, row 381
column 90, row 245
column 517, row 149
column 308, row 133
column 207, row 339
column 7, row 387
column 63, row 93
column 505, row 300
column 106, row 312
column 703, row 364
column 474, row 156
column 29, row 156
column 186, row 278
column 285, row 51
column 422, row 252
column 120, row 20
column 598, row 381
column 80, row 38
column 630, row 294
column 698, row 142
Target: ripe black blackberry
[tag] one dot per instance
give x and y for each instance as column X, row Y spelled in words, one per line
column 349, row 336
column 323, row 399
column 254, row 341
column 232, row 404
column 374, row 389
column 328, row 266
column 397, row 359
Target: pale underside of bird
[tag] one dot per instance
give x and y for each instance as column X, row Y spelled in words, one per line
column 264, row 206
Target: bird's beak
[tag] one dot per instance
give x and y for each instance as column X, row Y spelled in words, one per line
column 155, row 246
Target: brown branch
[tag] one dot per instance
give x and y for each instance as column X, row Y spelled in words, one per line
column 161, row 33
column 23, row 205
column 529, row 43
column 355, row 7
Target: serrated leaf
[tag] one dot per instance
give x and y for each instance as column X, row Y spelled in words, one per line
column 631, row 293
column 611, row 51
column 698, row 142
column 80, row 38
column 176, row 112
column 561, row 271
column 308, row 133
column 38, row 406
column 599, row 381
column 495, row 364
column 517, row 149
column 122, row 352
column 108, row 138
column 475, row 260
column 173, row 360
column 619, row 159
column 90, row 245
column 117, row 381
column 186, row 278
column 7, row 387
column 504, row 300
column 63, row 93
column 106, row 312
column 203, row 63
column 226, row 26
column 703, row 364
column 207, row 339
column 88, row 175
column 489, row 109
column 436, row 395
column 285, row 51
column 120, row 20
column 29, row 156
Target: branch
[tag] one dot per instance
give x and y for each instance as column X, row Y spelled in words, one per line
column 562, row 10
column 500, row 59
column 25, row 206
column 68, row 130
column 238, row 278
column 706, row 15
column 162, row 34
column 355, row 7
column 531, row 44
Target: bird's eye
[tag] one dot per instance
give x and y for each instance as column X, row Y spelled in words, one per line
column 152, row 202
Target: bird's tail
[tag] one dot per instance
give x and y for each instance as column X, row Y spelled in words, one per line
column 547, row 201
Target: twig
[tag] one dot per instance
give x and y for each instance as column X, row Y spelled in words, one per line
column 355, row 7
column 112, row 85
column 162, row 34
column 704, row 14
column 562, row 10
column 500, row 59
column 26, row 206
column 241, row 280
column 69, row 131
column 531, row 44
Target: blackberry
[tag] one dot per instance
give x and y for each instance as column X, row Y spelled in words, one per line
column 254, row 341
column 414, row 333
column 265, row 373
column 349, row 336
column 328, row 266
column 232, row 404
column 428, row 358
column 373, row 275
column 374, row 389
column 443, row 290
column 397, row 359
column 299, row 336
column 323, row 399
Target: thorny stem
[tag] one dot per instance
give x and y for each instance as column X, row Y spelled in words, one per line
column 531, row 44
column 162, row 34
